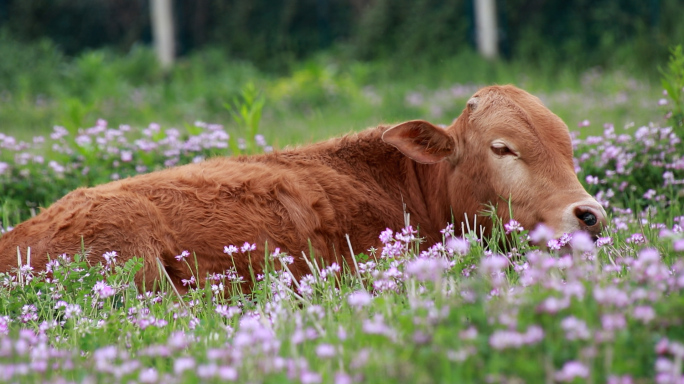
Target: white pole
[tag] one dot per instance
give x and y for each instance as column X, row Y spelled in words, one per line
column 162, row 31
column 486, row 29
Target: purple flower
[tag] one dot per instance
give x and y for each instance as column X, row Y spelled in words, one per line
column 325, row 351
column 307, row 377
column 649, row 255
column 182, row 256
column 662, row 346
column 359, row 299
column 678, row 245
column 126, row 156
column 183, row 364
column 103, row 290
column 72, row 310
column 649, row 194
column 582, row 242
column 377, row 326
column 636, row 238
column 148, row 375
column 386, row 236
column 575, row 329
column 227, row 311
column 624, row 379
column 227, row 373
column 260, row 140
column 503, row 339
column 513, row 226
column 426, row 269
column 553, row 304
column 392, row 250
column 110, row 257
column 613, row 321
column 230, row 249
column 602, row 241
column 572, row 370
column 644, row 313
column 611, row 295
column 247, row 247
column 342, row 378
column 493, row 264
column 58, row 132
column 207, row 371
column 533, row 335
column 541, row 234
column 554, row 245
column 458, row 245
column 4, row 325
column 407, row 235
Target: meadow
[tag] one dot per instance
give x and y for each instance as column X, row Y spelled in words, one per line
column 517, row 307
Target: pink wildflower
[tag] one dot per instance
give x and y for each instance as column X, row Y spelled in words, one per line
column 230, row 249
column 325, row 351
column 359, row 299
column 183, row 255
column 541, row 234
column 247, row 247
column 103, row 290
column 110, row 257
column 678, row 245
column 427, row 269
column 513, row 226
column 644, row 313
column 386, row 236
column 182, row 364
column 190, row 281
column 603, row 241
column 458, row 245
column 572, row 370
column 582, row 242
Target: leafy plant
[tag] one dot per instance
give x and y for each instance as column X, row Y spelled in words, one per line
column 673, row 83
column 246, row 112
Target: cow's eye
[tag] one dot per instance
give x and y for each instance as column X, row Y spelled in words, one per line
column 501, row 150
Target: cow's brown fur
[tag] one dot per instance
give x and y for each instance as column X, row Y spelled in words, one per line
column 311, row 197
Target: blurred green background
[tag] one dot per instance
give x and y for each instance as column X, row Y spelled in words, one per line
column 326, row 66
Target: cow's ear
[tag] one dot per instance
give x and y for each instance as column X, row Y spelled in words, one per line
column 421, row 141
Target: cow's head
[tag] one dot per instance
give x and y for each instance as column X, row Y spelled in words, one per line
column 506, row 146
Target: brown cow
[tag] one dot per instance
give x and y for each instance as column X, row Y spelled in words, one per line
column 505, row 145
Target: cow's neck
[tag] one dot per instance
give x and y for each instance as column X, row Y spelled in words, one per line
column 427, row 196
column 421, row 187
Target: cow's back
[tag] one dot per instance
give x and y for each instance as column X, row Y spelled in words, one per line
column 293, row 201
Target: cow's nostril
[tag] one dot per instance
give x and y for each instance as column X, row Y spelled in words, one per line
column 588, row 218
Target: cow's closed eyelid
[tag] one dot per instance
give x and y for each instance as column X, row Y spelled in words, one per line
column 501, row 149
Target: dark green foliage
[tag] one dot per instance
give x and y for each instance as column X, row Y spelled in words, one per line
column 27, row 69
column 582, row 33
column 76, row 25
column 412, row 30
column 274, row 33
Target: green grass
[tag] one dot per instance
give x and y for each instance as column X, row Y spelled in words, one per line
column 498, row 311
column 321, row 97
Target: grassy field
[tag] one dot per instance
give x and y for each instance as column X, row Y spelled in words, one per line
column 321, row 97
column 467, row 310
